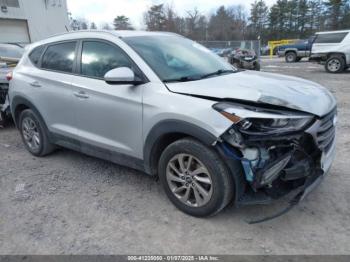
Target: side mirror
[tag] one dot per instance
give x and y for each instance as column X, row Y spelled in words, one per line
column 121, row 75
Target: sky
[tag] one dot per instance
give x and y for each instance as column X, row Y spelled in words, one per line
column 102, row 11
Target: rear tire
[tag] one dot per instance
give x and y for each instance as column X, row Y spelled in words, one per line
column 291, row 57
column 34, row 134
column 202, row 185
column 335, row 64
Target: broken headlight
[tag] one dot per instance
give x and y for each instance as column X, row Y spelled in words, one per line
column 273, row 125
column 261, row 122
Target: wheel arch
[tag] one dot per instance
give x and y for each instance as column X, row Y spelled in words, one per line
column 329, row 55
column 295, row 51
column 166, row 132
column 19, row 104
column 169, row 131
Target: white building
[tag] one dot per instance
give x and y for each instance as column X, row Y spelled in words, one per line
column 27, row 21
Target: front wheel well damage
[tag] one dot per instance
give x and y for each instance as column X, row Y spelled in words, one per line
column 234, row 167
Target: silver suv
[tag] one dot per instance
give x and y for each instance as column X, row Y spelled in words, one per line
column 168, row 106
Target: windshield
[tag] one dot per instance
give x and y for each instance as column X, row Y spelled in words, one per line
column 175, row 58
column 11, row 51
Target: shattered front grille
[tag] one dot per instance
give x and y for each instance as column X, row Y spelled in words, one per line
column 326, row 131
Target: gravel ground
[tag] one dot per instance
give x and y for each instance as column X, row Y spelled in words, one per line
column 69, row 203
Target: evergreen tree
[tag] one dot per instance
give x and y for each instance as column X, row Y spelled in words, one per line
column 121, row 22
column 259, row 17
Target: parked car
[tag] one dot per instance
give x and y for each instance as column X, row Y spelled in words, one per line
column 332, row 49
column 163, row 104
column 295, row 52
column 9, row 56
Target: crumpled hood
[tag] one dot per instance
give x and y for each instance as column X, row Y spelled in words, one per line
column 253, row 86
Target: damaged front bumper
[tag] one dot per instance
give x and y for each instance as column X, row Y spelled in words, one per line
column 280, row 165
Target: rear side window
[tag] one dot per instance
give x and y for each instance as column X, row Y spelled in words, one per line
column 36, row 54
column 98, row 58
column 330, row 38
column 60, row 57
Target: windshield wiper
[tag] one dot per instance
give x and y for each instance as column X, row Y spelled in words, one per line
column 194, row 78
column 182, row 79
column 217, row 73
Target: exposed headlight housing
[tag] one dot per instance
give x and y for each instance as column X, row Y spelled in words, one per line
column 273, row 125
column 263, row 122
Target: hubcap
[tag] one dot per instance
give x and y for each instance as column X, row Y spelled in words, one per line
column 333, row 65
column 290, row 58
column 30, row 134
column 189, row 180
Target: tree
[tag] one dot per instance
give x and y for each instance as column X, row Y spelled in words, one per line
column 346, row 19
column 79, row 24
column 83, row 26
column 155, row 18
column 220, row 25
column 290, row 19
column 334, row 13
column 121, row 22
column 259, row 16
column 93, row 26
column 106, row 26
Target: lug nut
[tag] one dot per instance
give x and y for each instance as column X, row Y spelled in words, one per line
column 183, row 178
column 193, row 184
column 186, row 184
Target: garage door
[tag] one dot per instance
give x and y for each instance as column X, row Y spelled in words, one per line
column 14, row 31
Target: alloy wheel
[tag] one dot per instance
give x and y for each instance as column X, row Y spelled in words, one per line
column 189, row 180
column 31, row 134
column 334, row 65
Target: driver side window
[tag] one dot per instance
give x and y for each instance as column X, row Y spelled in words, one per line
column 98, row 58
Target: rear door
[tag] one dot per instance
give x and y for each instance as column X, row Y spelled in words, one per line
column 51, row 89
column 109, row 116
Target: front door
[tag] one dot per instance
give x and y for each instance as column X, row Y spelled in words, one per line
column 109, row 117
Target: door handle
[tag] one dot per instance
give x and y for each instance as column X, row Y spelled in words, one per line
column 81, row 94
column 35, row 84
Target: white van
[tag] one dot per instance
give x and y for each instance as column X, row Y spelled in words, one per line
column 332, row 49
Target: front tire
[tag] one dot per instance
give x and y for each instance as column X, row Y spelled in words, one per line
column 33, row 134
column 291, row 57
column 335, row 64
column 195, row 178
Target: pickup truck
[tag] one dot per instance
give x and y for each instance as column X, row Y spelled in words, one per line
column 295, row 52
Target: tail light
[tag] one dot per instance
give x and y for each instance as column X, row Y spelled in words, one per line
column 9, row 76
